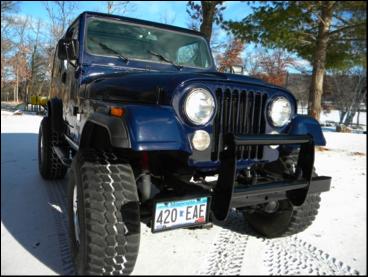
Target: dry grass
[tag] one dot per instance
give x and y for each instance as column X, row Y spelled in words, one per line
column 322, row 149
column 357, row 154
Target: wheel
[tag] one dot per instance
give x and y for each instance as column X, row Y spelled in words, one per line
column 49, row 164
column 286, row 220
column 281, row 218
column 103, row 213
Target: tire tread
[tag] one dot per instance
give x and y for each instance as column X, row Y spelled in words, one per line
column 106, row 241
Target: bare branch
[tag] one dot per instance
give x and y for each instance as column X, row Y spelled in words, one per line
column 120, row 7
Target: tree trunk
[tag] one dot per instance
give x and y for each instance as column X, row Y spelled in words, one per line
column 319, row 61
column 355, row 107
column 26, row 101
column 109, row 6
column 342, row 116
column 17, row 84
column 33, row 68
column 359, row 94
column 208, row 13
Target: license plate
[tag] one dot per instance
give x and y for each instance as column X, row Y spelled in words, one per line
column 180, row 213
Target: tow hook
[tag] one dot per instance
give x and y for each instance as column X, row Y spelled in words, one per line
column 271, row 207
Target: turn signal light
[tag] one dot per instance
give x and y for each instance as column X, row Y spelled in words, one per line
column 118, row 112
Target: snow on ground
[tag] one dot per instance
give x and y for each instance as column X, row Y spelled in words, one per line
column 334, row 115
column 34, row 229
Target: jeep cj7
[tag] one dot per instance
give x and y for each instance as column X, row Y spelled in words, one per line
column 143, row 120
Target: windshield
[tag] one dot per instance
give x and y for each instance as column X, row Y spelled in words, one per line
column 137, row 42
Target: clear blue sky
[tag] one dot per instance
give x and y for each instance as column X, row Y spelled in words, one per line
column 148, row 10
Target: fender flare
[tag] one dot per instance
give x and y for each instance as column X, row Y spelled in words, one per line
column 303, row 125
column 55, row 113
column 115, row 127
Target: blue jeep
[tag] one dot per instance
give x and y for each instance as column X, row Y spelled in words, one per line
column 153, row 133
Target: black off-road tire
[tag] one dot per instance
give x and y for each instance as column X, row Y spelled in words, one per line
column 49, row 164
column 108, row 214
column 287, row 220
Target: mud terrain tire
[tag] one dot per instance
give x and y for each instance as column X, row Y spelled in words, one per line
column 288, row 219
column 108, row 214
column 49, row 164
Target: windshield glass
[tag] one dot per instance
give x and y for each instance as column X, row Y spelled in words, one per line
column 131, row 41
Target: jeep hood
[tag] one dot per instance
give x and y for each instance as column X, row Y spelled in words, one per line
column 154, row 87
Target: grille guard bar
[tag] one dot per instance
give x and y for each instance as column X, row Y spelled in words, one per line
column 296, row 192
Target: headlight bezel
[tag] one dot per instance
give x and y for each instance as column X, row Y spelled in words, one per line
column 270, row 107
column 188, row 117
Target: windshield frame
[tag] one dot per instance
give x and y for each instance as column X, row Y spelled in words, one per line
column 138, row 24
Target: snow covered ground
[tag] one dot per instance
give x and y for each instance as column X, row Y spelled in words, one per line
column 333, row 116
column 34, row 229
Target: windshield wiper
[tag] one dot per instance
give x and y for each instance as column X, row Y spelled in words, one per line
column 125, row 59
column 179, row 67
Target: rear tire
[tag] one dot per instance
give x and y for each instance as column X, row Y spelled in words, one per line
column 49, row 164
column 107, row 214
column 287, row 220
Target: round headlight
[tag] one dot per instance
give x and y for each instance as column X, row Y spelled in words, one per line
column 279, row 111
column 199, row 106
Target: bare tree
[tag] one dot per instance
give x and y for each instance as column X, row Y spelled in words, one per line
column 7, row 43
column 270, row 66
column 38, row 62
column 349, row 88
column 117, row 7
column 18, row 61
column 7, row 6
column 298, row 84
column 232, row 55
column 251, row 62
column 61, row 14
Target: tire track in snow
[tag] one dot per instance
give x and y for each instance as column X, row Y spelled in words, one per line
column 292, row 255
column 281, row 256
column 57, row 196
column 226, row 256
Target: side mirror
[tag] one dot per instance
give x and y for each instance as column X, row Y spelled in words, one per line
column 68, row 49
column 61, row 50
column 237, row 69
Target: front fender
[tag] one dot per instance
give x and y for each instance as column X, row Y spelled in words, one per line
column 154, row 127
column 115, row 127
column 303, row 125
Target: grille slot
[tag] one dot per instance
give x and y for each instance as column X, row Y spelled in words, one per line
column 240, row 112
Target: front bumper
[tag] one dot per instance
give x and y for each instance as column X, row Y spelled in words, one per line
column 296, row 189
